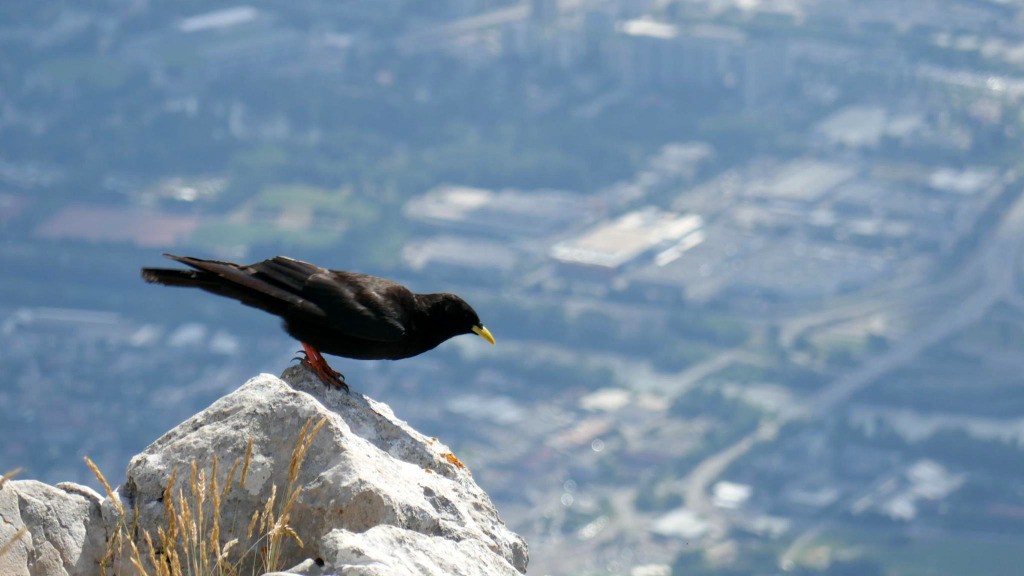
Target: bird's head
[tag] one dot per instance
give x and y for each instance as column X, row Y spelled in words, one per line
column 455, row 316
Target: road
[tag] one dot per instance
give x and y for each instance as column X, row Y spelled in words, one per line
column 644, row 378
column 996, row 262
column 695, row 492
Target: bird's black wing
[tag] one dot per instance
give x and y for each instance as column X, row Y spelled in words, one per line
column 357, row 305
column 360, row 305
column 238, row 282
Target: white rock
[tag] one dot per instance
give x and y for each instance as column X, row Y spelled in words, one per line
column 308, row 568
column 66, row 536
column 376, row 496
column 368, row 479
column 392, row 551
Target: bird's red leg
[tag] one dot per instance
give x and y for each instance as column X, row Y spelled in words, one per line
column 316, row 362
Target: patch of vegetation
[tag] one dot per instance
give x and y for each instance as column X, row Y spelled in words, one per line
column 734, row 420
column 193, row 541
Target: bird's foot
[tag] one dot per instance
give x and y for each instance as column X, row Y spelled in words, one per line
column 327, row 375
column 315, row 361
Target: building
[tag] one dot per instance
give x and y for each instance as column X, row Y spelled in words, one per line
column 474, row 259
column 681, row 160
column 648, row 53
column 699, row 273
column 867, row 127
column 804, row 180
column 629, row 239
column 218, row 19
column 505, row 213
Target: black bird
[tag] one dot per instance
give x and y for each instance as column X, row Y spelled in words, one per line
column 332, row 311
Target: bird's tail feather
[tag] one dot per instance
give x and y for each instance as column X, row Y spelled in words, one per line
column 233, row 281
column 210, row 282
column 167, row 277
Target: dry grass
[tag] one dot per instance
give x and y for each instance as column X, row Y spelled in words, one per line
column 6, row 477
column 191, row 540
column 17, row 536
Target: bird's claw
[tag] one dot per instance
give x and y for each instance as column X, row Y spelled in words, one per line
column 336, row 379
column 327, row 375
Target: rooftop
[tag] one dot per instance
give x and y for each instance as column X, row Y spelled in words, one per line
column 681, row 159
column 218, row 19
column 865, row 126
column 855, row 126
column 619, row 241
column 966, row 182
column 460, row 252
column 804, row 179
column 649, row 28
column 506, row 212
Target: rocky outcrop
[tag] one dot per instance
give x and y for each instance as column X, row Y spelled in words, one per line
column 65, row 532
column 374, row 497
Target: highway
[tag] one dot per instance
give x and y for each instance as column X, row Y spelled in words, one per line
column 994, row 264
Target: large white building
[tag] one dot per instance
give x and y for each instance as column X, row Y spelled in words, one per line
column 615, row 244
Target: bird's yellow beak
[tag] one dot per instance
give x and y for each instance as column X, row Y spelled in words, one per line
column 484, row 333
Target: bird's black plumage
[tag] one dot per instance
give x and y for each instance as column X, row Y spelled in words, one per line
column 334, row 311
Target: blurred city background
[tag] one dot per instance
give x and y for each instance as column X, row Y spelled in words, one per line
column 753, row 265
